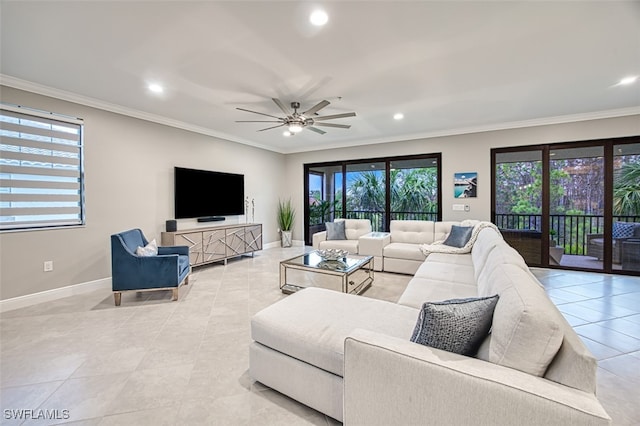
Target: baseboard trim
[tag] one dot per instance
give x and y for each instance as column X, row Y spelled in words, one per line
column 54, row 294
column 277, row 244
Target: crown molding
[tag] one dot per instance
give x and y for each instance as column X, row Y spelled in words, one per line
column 40, row 89
column 130, row 112
column 546, row 121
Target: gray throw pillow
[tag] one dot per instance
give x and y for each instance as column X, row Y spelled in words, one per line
column 456, row 325
column 335, row 231
column 459, row 236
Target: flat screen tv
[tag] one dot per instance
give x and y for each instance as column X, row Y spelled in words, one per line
column 203, row 193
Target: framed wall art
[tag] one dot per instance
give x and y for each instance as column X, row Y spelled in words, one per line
column 465, row 185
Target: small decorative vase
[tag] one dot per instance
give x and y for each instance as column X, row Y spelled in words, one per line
column 286, row 238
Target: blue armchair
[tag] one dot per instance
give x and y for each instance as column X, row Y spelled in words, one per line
column 166, row 271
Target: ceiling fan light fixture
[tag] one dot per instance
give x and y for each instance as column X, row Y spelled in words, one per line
column 295, row 127
column 287, row 133
column 155, row 88
column 318, row 18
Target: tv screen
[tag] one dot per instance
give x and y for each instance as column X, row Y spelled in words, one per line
column 202, row 193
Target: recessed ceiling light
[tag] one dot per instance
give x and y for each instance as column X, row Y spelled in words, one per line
column 286, row 133
column 398, row 116
column 318, row 18
column 629, row 80
column 155, row 88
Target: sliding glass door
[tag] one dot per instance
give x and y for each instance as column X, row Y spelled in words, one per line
column 324, row 199
column 625, row 223
column 576, row 206
column 381, row 190
column 579, row 200
column 518, row 201
column 367, row 193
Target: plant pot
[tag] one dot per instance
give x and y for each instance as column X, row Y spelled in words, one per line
column 286, row 238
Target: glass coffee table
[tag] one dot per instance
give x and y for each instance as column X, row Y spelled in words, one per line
column 351, row 274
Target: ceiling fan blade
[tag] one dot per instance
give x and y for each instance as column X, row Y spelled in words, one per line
column 316, row 108
column 315, row 129
column 342, row 126
column 261, row 113
column 281, row 106
column 269, row 128
column 258, row 121
column 331, row 117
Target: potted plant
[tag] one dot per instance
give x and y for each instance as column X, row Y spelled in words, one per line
column 552, row 238
column 286, row 215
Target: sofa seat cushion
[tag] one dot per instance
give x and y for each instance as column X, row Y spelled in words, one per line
column 408, row 251
column 422, row 290
column 349, row 245
column 312, row 324
column 526, row 332
column 446, row 272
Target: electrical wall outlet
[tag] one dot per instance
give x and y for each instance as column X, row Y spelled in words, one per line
column 48, row 266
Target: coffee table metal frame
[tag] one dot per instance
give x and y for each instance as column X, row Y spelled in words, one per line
column 345, row 268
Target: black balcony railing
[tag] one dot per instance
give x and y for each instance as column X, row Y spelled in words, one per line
column 377, row 218
column 569, row 231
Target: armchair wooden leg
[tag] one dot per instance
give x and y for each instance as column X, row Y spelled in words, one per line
column 117, row 296
column 175, row 294
column 186, row 280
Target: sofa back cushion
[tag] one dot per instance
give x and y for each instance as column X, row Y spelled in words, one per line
column 441, row 230
column 501, row 254
column 487, row 239
column 526, row 332
column 355, row 228
column 412, row 231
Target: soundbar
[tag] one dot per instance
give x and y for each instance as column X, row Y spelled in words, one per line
column 211, row 219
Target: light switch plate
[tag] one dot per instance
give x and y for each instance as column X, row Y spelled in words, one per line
column 458, row 207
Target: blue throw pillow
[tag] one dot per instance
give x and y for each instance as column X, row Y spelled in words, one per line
column 459, row 236
column 456, row 325
column 335, row 230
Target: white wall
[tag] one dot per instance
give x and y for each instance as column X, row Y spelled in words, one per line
column 461, row 153
column 129, row 184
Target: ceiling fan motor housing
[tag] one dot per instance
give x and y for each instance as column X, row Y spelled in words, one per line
column 295, row 105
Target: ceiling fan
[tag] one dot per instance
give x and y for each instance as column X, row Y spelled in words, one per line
column 297, row 121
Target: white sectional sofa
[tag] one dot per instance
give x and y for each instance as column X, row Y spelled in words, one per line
column 396, row 251
column 351, row 357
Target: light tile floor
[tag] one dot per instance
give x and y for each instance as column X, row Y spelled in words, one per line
column 151, row 361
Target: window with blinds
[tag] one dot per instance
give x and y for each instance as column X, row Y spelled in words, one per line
column 41, row 170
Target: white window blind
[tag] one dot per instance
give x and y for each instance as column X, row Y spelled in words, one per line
column 41, row 170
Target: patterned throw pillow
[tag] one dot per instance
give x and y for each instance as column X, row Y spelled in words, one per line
column 459, row 236
column 150, row 249
column 456, row 325
column 335, row 231
column 623, row 229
